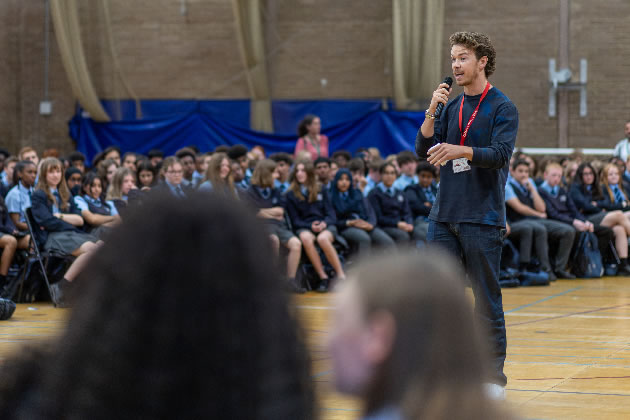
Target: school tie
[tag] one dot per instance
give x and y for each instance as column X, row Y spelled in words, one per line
column 180, row 192
column 389, row 192
column 554, row 191
column 429, row 195
column 344, row 196
column 618, row 195
column 265, row 192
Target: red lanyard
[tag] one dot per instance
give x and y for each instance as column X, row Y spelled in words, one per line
column 473, row 116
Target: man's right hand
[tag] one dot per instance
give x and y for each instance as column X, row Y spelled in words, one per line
column 440, row 96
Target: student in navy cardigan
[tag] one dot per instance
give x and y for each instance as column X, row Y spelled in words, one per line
column 421, row 197
column 391, row 207
column 57, row 223
column 356, row 220
column 269, row 204
column 313, row 218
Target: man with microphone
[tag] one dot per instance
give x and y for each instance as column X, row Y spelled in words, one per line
column 473, row 138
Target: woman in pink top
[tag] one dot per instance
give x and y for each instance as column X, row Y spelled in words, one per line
column 310, row 138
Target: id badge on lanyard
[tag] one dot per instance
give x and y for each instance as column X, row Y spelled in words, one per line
column 461, row 164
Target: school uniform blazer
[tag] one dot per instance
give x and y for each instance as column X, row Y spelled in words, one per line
column 608, row 204
column 343, row 218
column 416, row 197
column 302, row 213
column 6, row 224
column 583, row 200
column 44, row 220
column 163, row 188
column 562, row 207
column 390, row 210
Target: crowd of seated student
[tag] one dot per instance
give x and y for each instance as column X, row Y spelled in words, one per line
column 365, row 200
column 556, row 199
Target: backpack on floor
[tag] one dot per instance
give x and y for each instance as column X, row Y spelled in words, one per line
column 586, row 261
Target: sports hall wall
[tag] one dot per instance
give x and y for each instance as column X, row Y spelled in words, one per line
column 164, row 54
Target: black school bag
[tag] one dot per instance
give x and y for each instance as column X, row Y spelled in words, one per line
column 586, row 261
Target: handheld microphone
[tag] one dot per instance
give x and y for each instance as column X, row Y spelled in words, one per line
column 449, row 81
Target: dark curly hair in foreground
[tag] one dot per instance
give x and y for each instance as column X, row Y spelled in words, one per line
column 480, row 44
column 181, row 315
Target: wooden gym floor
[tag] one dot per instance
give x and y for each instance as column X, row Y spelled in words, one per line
column 568, row 348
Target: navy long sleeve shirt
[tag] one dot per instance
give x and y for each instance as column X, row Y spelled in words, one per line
column 477, row 195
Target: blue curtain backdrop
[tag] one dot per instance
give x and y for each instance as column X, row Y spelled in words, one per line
column 171, row 124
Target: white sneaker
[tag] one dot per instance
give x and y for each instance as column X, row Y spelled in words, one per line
column 494, row 391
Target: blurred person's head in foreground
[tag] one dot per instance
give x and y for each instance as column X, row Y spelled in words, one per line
column 403, row 339
column 172, row 323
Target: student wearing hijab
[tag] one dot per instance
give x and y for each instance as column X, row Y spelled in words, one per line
column 356, row 220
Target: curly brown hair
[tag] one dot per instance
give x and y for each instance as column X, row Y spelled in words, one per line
column 480, row 44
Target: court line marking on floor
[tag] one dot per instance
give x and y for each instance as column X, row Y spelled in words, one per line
column 569, row 392
column 543, row 300
column 570, row 315
column 536, row 314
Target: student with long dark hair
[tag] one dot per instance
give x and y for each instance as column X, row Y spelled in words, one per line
column 57, row 223
column 164, row 310
column 313, row 218
column 356, row 220
column 269, row 203
column 146, row 175
column 99, row 215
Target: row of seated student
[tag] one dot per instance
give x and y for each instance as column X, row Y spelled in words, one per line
column 552, row 211
column 359, row 208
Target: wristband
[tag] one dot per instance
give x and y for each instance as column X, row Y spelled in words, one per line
column 428, row 115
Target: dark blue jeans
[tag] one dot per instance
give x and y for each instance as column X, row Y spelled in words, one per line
column 479, row 248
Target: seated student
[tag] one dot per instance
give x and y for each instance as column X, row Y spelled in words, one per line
column 421, row 197
column 313, row 218
column 201, row 314
column 173, row 174
column 238, row 153
column 11, row 239
column 106, row 170
column 77, row 160
column 283, row 168
column 615, row 196
column 123, row 191
column 146, row 175
column 112, row 153
column 202, row 160
column 405, row 342
column 587, row 195
column 357, row 169
column 219, row 176
column 341, row 158
column 322, row 171
column 100, row 216
column 356, row 220
column 6, row 176
column 28, row 153
column 269, row 203
column 408, row 162
column 130, row 160
column 523, row 202
column 374, row 175
column 74, row 179
column 187, row 158
column 19, row 197
column 57, row 221
column 392, row 208
column 156, row 156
